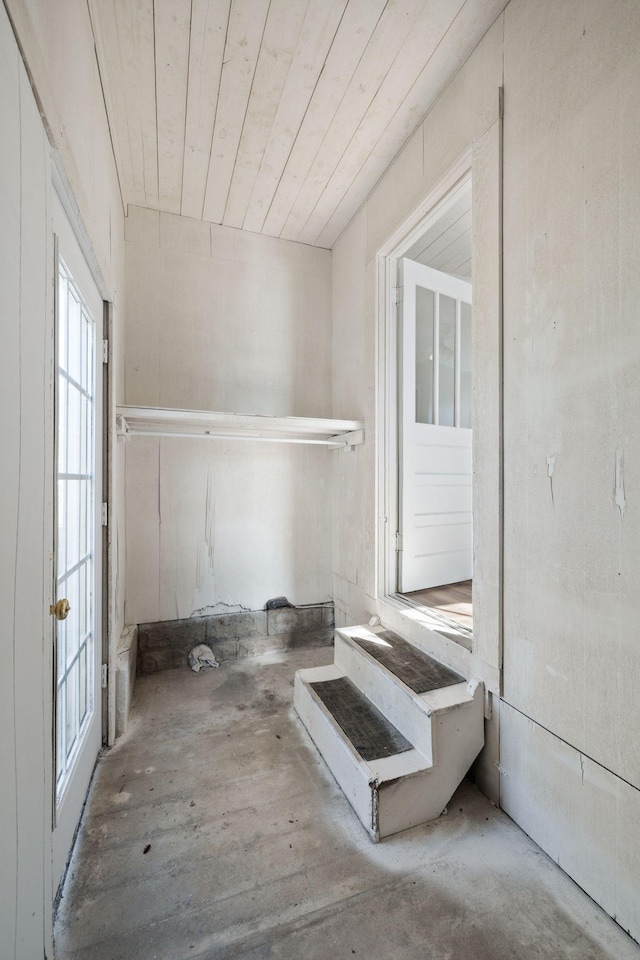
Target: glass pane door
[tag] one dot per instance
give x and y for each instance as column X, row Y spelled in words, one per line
column 76, row 494
column 77, row 599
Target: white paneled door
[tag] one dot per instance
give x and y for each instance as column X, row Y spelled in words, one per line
column 435, row 429
column 78, row 536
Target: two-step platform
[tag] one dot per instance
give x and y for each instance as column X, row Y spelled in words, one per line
column 397, row 729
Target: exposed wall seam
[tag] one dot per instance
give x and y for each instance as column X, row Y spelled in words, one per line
column 106, row 113
column 304, row 116
column 244, row 118
column 15, row 580
column 215, row 114
column 155, row 93
column 186, row 102
column 32, row 83
column 581, row 753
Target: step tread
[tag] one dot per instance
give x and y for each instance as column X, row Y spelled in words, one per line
column 371, row 734
column 416, row 669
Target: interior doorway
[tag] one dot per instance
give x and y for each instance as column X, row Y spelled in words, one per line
column 434, row 549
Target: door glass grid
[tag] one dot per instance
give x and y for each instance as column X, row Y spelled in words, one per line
column 75, row 434
column 443, row 359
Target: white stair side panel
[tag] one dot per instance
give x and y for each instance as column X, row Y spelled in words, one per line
column 344, row 763
column 420, row 799
column 459, row 738
column 360, row 780
column 408, row 802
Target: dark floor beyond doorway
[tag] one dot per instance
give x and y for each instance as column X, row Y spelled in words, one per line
column 214, row 830
column 453, row 601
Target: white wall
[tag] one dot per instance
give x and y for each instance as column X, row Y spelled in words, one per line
column 572, row 379
column 59, row 49
column 219, row 319
column 571, row 165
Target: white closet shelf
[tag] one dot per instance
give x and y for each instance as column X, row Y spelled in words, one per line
column 205, row 424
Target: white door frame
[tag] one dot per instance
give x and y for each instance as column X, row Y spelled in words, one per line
column 427, row 213
column 63, row 193
column 484, row 159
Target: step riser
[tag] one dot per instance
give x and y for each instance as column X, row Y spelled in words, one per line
column 403, row 710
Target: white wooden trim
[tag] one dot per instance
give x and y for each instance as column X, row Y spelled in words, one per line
column 456, row 367
column 64, row 193
column 485, row 158
column 444, row 195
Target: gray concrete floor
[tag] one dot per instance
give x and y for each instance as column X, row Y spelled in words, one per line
column 214, row 830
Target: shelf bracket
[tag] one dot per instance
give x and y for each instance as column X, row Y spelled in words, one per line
column 352, row 439
column 123, row 430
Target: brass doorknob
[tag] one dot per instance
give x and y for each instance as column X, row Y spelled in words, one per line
column 60, row 609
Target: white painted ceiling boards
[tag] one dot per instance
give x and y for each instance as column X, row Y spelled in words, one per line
column 275, row 116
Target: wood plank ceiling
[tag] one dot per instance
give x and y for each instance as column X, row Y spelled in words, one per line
column 275, row 116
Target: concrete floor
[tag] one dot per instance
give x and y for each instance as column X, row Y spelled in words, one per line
column 214, row 830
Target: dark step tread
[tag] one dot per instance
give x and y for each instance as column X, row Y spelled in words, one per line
column 370, row 733
column 420, row 672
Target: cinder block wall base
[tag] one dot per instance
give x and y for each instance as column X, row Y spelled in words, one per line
column 231, row 636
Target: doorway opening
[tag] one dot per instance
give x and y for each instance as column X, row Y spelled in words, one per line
column 434, row 333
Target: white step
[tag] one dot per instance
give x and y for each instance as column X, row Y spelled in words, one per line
column 410, row 712
column 444, row 728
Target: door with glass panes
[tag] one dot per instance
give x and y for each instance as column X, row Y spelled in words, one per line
column 77, row 607
column 435, row 429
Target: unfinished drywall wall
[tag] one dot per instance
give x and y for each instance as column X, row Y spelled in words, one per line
column 572, row 379
column 62, row 67
column 224, row 320
column 586, row 819
column 25, row 508
column 571, row 164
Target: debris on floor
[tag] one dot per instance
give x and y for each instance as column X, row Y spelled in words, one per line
column 202, row 656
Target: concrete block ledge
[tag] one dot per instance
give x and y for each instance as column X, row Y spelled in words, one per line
column 165, row 645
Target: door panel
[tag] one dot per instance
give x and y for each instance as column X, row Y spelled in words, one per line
column 435, row 434
column 78, row 535
column 446, row 495
column 453, row 459
column 441, row 535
